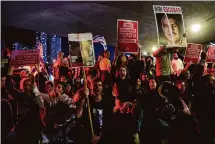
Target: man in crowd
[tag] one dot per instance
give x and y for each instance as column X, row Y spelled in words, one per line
column 163, row 64
column 101, row 112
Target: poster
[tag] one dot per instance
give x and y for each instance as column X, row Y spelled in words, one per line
column 127, row 35
column 170, row 26
column 81, row 50
column 25, row 57
column 192, row 53
column 211, row 54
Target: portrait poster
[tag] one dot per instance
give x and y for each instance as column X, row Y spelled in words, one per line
column 25, row 57
column 170, row 26
column 81, row 50
column 127, row 35
column 211, row 54
column 192, row 53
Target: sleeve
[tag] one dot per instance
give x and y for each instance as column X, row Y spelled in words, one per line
column 40, row 96
column 67, row 100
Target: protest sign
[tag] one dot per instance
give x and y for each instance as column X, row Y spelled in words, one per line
column 192, row 53
column 25, row 57
column 127, row 35
column 211, row 54
column 170, row 26
column 81, row 50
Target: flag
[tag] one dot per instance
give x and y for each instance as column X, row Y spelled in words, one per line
column 101, row 40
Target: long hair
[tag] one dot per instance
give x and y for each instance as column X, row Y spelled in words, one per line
column 127, row 72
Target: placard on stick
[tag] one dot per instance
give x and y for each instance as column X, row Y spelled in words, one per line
column 127, row 35
column 25, row 57
column 211, row 54
column 192, row 53
column 81, row 50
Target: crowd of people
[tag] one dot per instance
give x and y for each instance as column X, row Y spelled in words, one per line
column 153, row 100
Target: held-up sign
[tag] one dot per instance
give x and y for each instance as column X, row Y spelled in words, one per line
column 25, row 57
column 193, row 52
column 211, row 54
column 81, row 50
column 127, row 35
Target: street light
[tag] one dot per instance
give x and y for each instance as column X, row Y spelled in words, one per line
column 195, row 27
column 154, row 48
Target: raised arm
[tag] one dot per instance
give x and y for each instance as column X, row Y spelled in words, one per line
column 159, row 52
column 10, row 84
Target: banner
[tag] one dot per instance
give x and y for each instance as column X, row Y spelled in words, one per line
column 127, row 35
column 170, row 26
column 192, row 53
column 81, row 50
column 211, row 54
column 25, row 57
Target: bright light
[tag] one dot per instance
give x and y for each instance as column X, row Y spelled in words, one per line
column 154, row 48
column 144, row 53
column 195, row 27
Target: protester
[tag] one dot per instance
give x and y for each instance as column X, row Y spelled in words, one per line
column 177, row 65
column 101, row 109
column 163, row 64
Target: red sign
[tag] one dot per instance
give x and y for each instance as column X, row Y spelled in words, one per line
column 127, row 35
column 211, row 54
column 25, row 57
column 192, row 53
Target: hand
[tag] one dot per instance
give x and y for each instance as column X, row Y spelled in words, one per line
column 37, row 67
column 116, row 108
column 82, row 94
column 174, row 73
column 186, row 112
column 164, row 48
column 86, row 92
column 95, row 139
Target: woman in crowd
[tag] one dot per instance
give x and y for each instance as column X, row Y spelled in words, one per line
column 124, row 101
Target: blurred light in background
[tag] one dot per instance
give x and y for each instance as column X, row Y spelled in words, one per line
column 195, row 27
